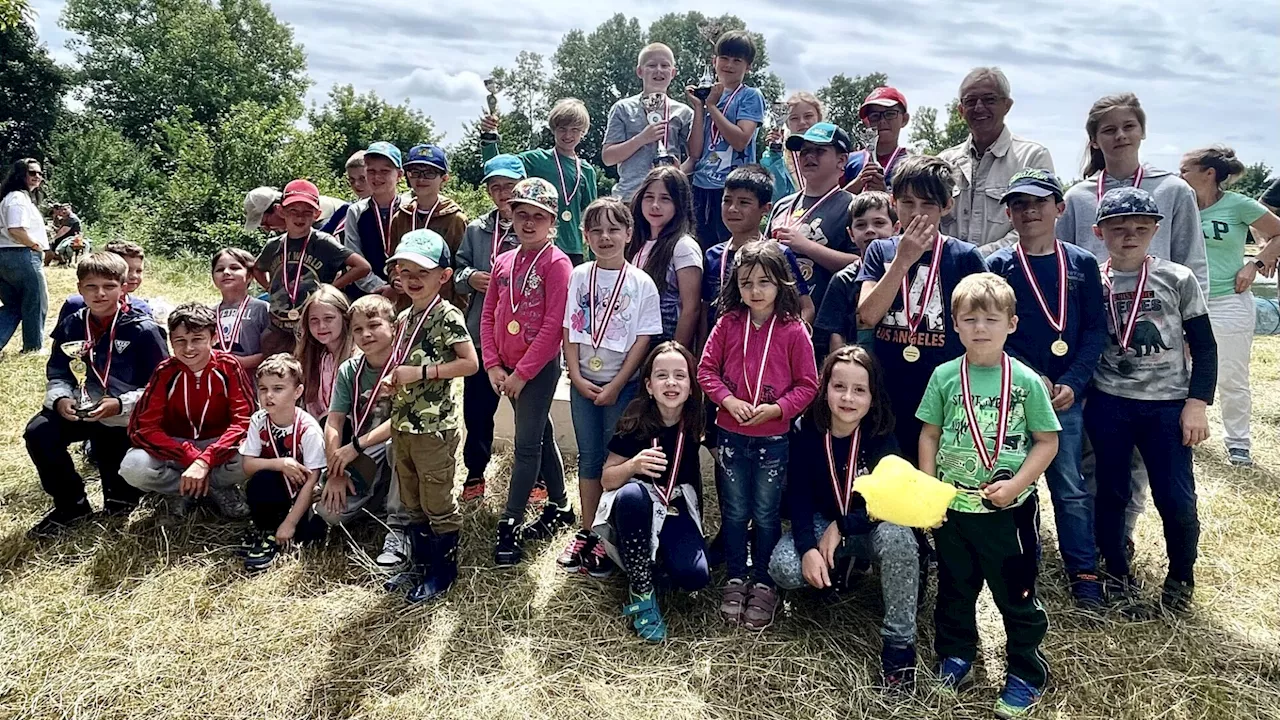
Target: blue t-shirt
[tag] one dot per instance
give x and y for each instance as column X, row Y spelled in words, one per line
column 935, row 336
column 720, row 159
column 1086, row 330
column 715, row 261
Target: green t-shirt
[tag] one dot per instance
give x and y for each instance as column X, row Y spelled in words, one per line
column 1030, row 410
column 431, row 406
column 344, row 386
column 1226, row 228
column 541, row 163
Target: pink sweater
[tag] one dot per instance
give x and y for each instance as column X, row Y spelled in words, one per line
column 790, row 373
column 541, row 312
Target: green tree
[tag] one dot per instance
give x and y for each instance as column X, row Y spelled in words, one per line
column 141, row 60
column 31, row 88
column 929, row 138
column 361, row 119
column 103, row 174
column 13, row 13
column 681, row 31
column 843, row 95
column 524, row 88
column 1255, row 179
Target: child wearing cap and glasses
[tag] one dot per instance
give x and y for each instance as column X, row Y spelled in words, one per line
column 885, row 112
column 427, row 170
column 367, row 230
column 293, row 265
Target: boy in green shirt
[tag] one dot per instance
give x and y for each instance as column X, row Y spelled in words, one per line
column 574, row 180
column 990, row 430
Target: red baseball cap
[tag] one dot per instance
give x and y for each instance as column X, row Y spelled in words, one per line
column 301, row 191
column 883, row 97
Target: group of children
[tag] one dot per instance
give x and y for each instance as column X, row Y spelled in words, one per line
column 850, row 330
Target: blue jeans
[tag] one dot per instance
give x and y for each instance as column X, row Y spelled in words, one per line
column 1072, row 501
column 682, row 554
column 23, row 293
column 754, row 469
column 593, row 427
column 1116, row 426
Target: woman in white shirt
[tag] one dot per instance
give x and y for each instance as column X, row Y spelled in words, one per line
column 23, row 240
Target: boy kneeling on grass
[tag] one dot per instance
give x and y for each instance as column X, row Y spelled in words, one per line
column 103, row 354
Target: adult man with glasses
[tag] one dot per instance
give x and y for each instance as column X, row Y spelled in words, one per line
column 986, row 161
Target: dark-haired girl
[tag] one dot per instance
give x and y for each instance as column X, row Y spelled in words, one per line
column 662, row 247
column 24, row 299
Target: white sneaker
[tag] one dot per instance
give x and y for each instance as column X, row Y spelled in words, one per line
column 395, row 551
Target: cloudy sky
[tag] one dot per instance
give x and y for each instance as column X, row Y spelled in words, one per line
column 1205, row 72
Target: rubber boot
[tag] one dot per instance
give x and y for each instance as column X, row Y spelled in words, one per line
column 444, row 569
column 419, row 536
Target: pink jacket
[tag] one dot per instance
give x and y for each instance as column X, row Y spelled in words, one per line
column 540, row 315
column 790, row 373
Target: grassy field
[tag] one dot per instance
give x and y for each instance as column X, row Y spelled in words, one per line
column 153, row 618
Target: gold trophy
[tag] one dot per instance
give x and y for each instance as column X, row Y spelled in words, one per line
column 491, row 100
column 78, row 351
column 777, row 121
column 654, row 105
column 710, row 30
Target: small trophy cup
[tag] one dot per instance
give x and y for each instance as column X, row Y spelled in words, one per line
column 710, row 30
column 78, row 350
column 491, row 100
column 865, row 138
column 654, row 105
column 777, row 121
column 703, row 90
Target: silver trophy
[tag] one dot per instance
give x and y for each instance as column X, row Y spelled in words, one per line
column 654, row 105
column 491, row 102
column 777, row 121
column 78, row 351
column 710, row 30
column 864, row 137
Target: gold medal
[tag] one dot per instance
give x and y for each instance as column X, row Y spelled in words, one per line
column 596, row 363
column 567, row 216
column 911, row 353
column 78, row 367
column 1059, row 348
column 293, row 315
column 513, row 328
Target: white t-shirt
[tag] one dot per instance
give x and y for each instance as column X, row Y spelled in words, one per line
column 687, row 253
column 636, row 312
column 309, row 451
column 17, row 210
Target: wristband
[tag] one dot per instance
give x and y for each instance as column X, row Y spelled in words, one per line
column 355, row 443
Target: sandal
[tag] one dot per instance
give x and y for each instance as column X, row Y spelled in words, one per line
column 646, row 618
column 761, row 604
column 733, row 601
column 472, row 489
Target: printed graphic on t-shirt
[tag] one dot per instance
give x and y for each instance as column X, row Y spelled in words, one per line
column 583, row 316
column 1148, row 338
column 932, row 330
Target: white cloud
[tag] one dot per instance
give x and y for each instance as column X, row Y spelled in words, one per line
column 438, row 84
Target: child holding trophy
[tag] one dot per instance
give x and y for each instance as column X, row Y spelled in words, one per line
column 103, row 355
column 649, row 129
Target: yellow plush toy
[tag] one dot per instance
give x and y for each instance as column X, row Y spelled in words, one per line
column 898, row 493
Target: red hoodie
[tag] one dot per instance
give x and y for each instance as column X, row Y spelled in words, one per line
column 168, row 418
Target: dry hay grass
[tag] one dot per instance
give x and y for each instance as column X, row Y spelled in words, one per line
column 154, row 618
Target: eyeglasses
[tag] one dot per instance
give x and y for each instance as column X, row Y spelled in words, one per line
column 428, row 174
column 875, row 116
column 35, row 173
column 972, row 101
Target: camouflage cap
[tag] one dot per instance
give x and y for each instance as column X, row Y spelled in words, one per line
column 1128, row 201
column 536, row 192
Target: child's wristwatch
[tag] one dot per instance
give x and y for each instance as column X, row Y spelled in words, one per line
column 1259, row 264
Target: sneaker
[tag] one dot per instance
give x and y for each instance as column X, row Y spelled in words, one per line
column 954, row 674
column 1124, row 595
column 59, row 519
column 262, row 555
column 898, row 666
column 395, row 552
column 230, row 502
column 472, row 489
column 248, row 541
column 571, row 559
column 1086, row 590
column 1017, row 698
column 508, row 550
column 180, row 506
column 1239, row 457
column 1175, row 595
column 118, row 508
column 549, row 522
column 594, row 560
column 645, row 617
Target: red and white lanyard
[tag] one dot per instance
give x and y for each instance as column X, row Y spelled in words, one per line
column 1131, row 322
column 1058, row 322
column 790, row 219
column 384, row 231
column 764, row 359
column 196, row 429
column 668, row 489
column 795, row 164
column 498, row 237
column 600, row 325
column 715, row 131
column 401, row 350
column 295, row 436
column 359, row 418
column 284, row 269
column 988, row 458
column 418, row 211
column 892, row 158
column 105, row 375
column 844, row 491
column 926, row 293
column 1102, row 181
column 524, row 286
column 227, row 341
column 566, row 195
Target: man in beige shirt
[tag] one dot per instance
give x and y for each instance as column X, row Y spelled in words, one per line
column 986, row 161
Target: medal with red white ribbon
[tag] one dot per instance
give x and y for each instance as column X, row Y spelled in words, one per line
column 359, row 418
column 91, row 352
column 416, row 212
column 844, row 491
column 668, row 489
column 513, row 327
column 715, row 131
column 498, row 237
column 764, row 360
column 988, row 458
column 297, row 275
column 1102, row 181
column 600, row 325
column 384, row 231
column 196, row 429
column 911, row 353
column 1057, row 322
column 566, row 195
column 401, row 349
column 797, row 215
column 228, row 340
column 293, row 452
column 1125, row 336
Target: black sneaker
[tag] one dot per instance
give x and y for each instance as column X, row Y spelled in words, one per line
column 594, row 561
column 262, row 555
column 549, row 522
column 508, row 551
column 1086, row 590
column 1175, row 595
column 59, row 519
column 1124, row 594
column 247, row 542
column 570, row 559
column 898, row 667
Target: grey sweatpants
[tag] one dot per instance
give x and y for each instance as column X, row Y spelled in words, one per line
column 536, row 451
column 151, row 474
column 384, row 490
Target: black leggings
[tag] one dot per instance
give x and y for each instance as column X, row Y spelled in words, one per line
column 270, row 502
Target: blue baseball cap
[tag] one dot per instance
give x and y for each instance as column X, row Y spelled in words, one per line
column 1033, row 181
column 1127, row 200
column 386, row 150
column 428, row 155
column 823, row 133
column 422, row 247
column 504, row 166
